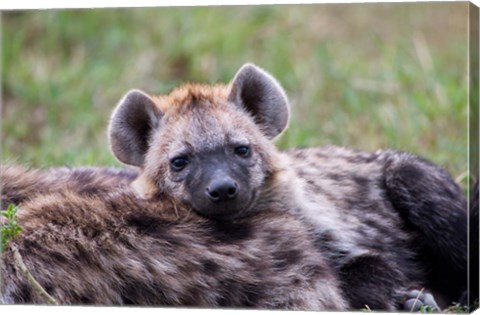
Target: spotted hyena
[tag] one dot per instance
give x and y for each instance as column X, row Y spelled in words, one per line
column 378, row 224
column 389, row 221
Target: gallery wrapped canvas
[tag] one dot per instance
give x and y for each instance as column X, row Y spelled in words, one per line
column 317, row 157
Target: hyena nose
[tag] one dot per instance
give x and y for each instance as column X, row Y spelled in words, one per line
column 222, row 190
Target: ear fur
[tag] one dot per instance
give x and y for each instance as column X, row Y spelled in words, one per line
column 130, row 127
column 262, row 96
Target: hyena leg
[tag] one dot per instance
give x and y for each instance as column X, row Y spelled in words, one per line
column 368, row 281
column 432, row 206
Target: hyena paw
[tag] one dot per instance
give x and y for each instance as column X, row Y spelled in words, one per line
column 417, row 300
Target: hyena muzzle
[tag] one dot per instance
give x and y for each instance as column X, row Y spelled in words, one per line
column 389, row 221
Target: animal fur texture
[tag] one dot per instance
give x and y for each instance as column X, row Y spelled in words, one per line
column 319, row 228
column 110, row 248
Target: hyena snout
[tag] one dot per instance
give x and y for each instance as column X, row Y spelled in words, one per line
column 222, row 193
column 222, row 189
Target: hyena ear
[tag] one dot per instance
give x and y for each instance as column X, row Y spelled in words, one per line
column 130, row 127
column 261, row 95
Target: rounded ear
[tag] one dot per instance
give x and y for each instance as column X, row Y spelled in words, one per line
column 262, row 96
column 131, row 125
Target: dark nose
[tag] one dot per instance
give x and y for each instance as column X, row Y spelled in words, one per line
column 222, row 189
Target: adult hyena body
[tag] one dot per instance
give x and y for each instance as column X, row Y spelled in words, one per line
column 386, row 222
column 87, row 239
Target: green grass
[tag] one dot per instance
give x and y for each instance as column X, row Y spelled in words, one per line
column 10, row 228
column 367, row 76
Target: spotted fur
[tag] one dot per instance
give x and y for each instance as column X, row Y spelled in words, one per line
column 111, row 248
column 383, row 222
column 388, row 221
column 19, row 184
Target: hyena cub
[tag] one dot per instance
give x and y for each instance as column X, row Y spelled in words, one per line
column 389, row 221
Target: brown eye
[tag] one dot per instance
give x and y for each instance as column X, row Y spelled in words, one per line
column 242, row 151
column 179, row 163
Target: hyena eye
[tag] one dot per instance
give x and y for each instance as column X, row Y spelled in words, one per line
column 242, row 150
column 179, row 163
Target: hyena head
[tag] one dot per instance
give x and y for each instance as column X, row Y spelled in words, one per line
column 207, row 146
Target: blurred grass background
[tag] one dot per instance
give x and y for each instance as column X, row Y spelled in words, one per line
column 367, row 76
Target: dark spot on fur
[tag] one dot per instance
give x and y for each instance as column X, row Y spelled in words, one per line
column 16, row 200
column 90, row 190
column 336, row 176
column 229, row 232
column 92, row 232
column 113, row 205
column 29, row 246
column 369, row 280
column 84, row 256
column 191, row 297
column 149, row 225
column 362, row 158
column 323, row 241
column 155, row 227
column 320, row 154
column 48, row 287
column 361, row 181
column 59, row 257
column 125, row 241
column 326, row 243
column 24, row 293
column 252, row 294
column 137, row 292
column 230, row 292
column 351, row 202
column 87, row 298
column 283, row 259
column 210, row 267
column 313, row 187
column 379, row 226
column 301, row 173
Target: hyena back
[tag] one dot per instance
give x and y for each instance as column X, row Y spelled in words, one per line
column 19, row 184
column 388, row 214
